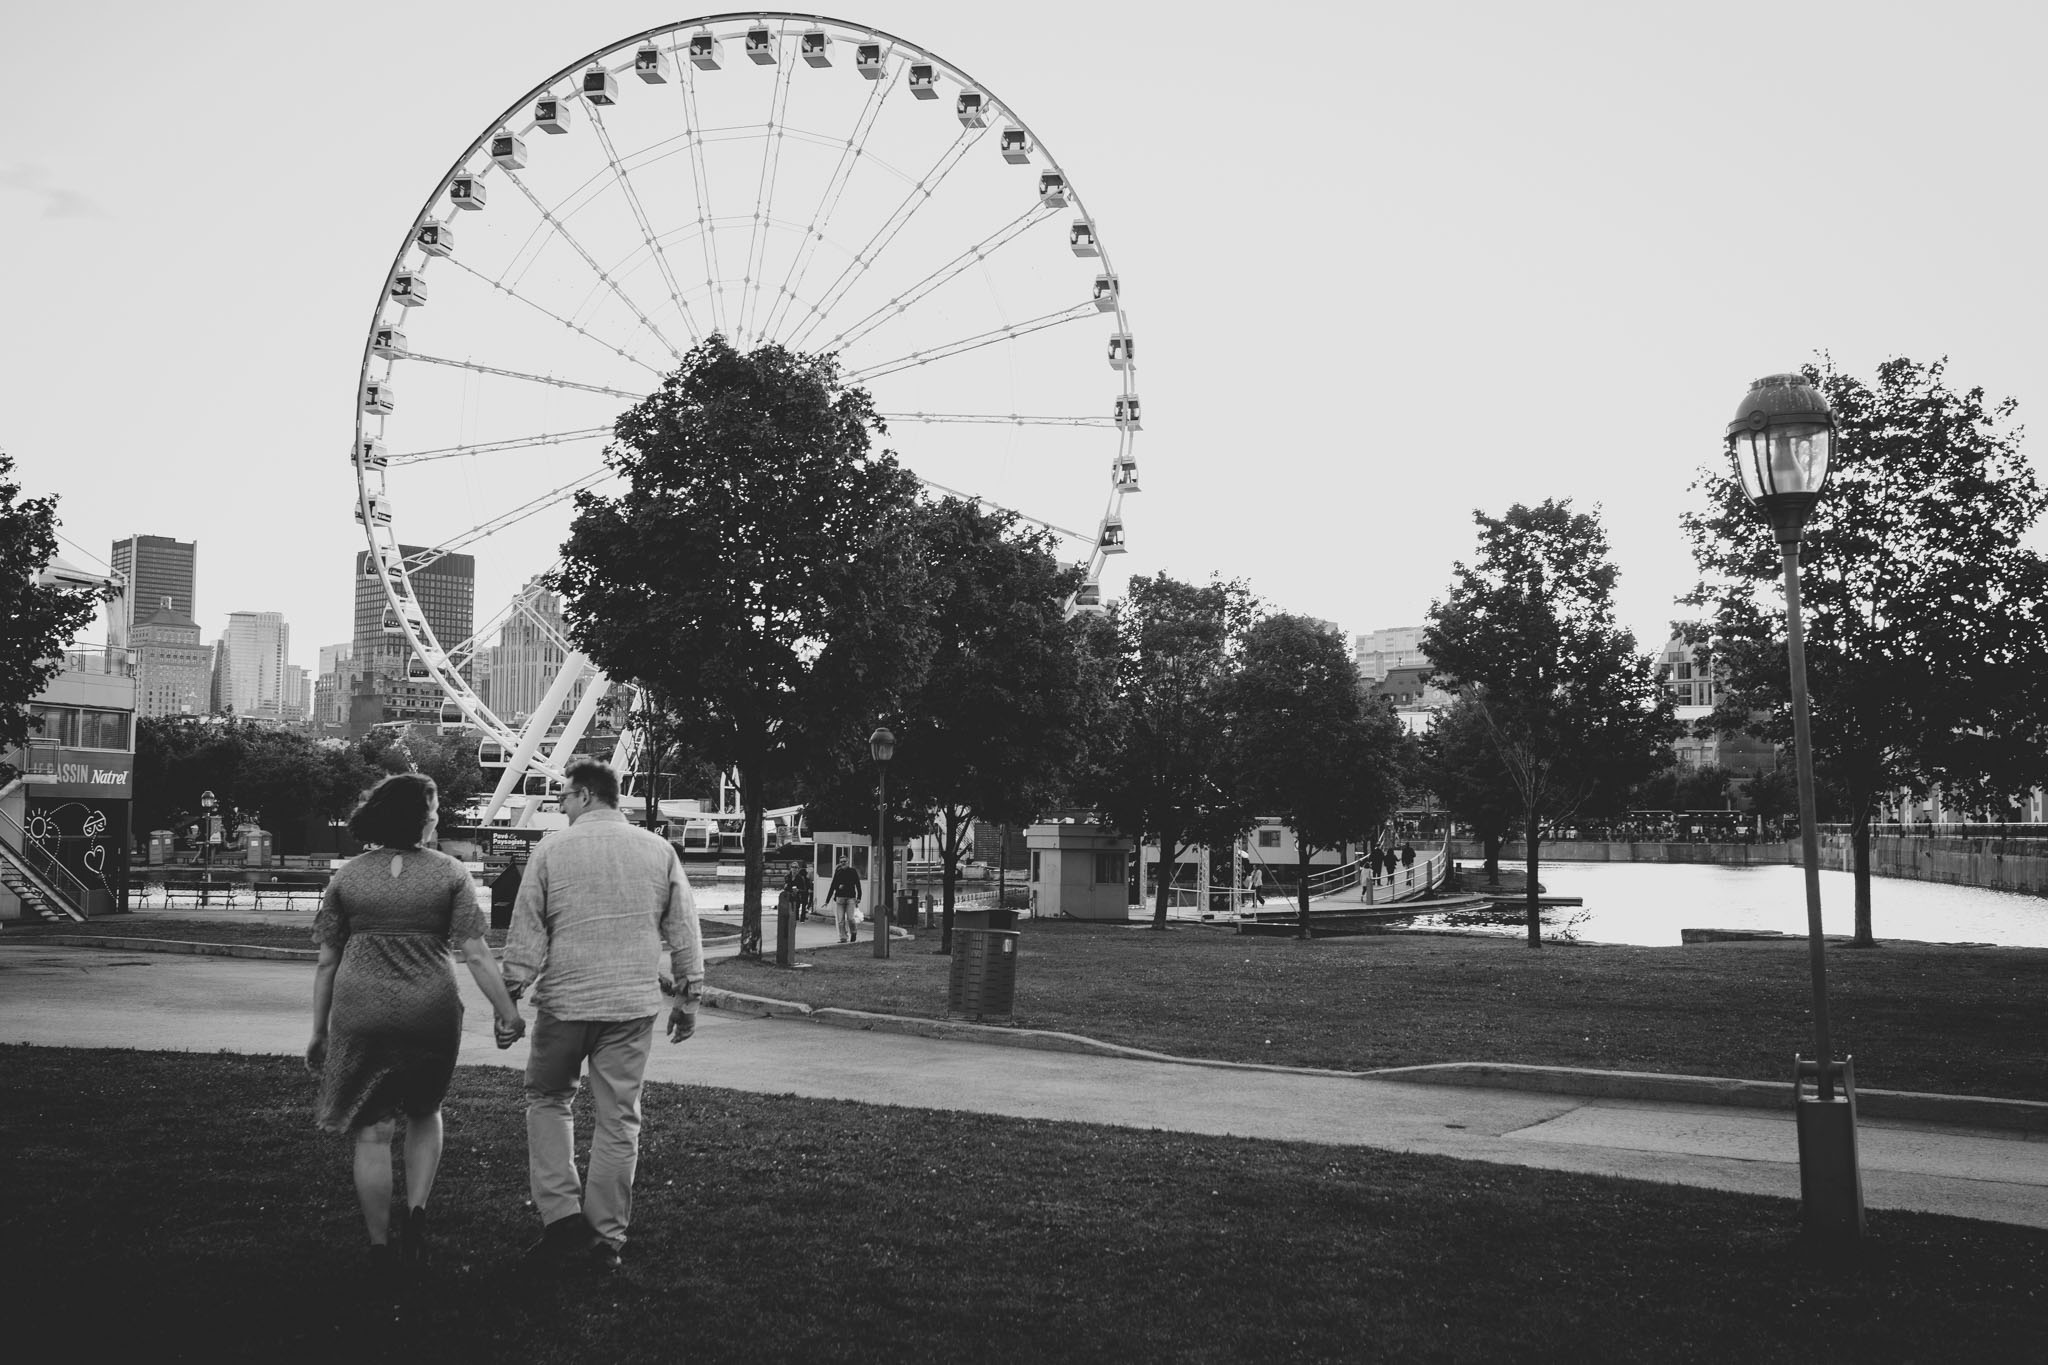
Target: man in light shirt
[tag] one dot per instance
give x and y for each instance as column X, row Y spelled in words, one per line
column 605, row 921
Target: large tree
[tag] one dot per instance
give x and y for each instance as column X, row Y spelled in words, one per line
column 287, row 783
column 1462, row 765
column 1166, row 771
column 36, row 620
column 756, row 569
column 1313, row 747
column 1926, row 614
column 1571, row 705
column 991, row 732
column 450, row 759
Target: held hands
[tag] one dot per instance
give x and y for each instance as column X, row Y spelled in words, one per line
column 316, row 1054
column 508, row 1031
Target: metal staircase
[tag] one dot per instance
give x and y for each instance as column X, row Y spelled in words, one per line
column 47, row 888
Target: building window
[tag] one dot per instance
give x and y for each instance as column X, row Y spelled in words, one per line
column 1034, row 866
column 1269, row 838
column 103, row 730
column 1109, row 869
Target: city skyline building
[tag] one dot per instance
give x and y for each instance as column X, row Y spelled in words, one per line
column 1379, row 652
column 173, row 669
column 152, row 568
column 530, row 654
column 379, row 689
column 256, row 649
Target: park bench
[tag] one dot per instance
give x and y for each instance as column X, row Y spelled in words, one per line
column 291, row 891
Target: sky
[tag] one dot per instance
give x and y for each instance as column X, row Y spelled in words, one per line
column 1390, row 263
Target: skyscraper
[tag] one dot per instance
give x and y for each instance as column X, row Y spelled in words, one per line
column 153, row 567
column 257, row 643
column 173, row 670
column 446, row 591
column 530, row 654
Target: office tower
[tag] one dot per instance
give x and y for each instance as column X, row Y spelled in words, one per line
column 1379, row 652
column 256, row 645
column 153, row 568
column 530, row 654
column 173, row 670
column 446, row 590
column 294, row 699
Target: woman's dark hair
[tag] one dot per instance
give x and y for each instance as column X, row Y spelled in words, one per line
column 394, row 814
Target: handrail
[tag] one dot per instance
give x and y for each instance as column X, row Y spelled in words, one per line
column 43, row 863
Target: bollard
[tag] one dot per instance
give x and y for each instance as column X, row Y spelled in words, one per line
column 1830, row 1182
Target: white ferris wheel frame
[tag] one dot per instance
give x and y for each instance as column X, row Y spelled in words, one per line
column 526, row 748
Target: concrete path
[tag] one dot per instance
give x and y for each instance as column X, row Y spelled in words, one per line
column 82, row 997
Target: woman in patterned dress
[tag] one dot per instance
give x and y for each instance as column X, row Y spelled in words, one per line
column 387, row 1019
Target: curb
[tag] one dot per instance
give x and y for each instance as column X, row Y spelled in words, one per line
column 173, row 945
column 1968, row 1111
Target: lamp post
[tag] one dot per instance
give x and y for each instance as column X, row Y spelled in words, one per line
column 207, row 802
column 1782, row 442
column 882, row 745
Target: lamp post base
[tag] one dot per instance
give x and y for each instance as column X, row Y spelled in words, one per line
column 1830, row 1181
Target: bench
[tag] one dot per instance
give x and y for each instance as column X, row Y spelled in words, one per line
column 288, row 892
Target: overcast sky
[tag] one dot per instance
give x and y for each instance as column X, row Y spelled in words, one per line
column 1390, row 262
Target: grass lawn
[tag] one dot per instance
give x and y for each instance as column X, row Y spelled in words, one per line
column 177, row 1207
column 1952, row 1020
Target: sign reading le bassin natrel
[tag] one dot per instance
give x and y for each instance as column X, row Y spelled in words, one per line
column 81, row 772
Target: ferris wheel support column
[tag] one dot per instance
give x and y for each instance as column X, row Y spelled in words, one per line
column 579, row 719
column 536, row 730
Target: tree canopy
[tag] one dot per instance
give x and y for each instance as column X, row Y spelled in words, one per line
column 1528, row 632
column 1925, row 612
column 1312, row 746
column 1166, row 770
column 36, row 621
column 756, row 569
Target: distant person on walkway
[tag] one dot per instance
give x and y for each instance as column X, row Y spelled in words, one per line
column 1251, row 887
column 606, row 922
column 844, row 893
column 387, row 1021
column 1407, row 855
column 1374, row 861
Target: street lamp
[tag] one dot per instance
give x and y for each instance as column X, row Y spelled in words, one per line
column 1782, row 441
column 207, row 802
column 882, row 745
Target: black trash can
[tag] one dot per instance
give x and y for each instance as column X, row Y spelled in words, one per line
column 984, row 973
column 504, row 891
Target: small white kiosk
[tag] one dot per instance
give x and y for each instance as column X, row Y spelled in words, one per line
column 836, row 847
column 1082, row 871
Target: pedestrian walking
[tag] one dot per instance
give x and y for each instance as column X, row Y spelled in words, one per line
column 387, row 1020
column 606, row 924
column 844, row 893
column 1407, row 855
column 1375, row 862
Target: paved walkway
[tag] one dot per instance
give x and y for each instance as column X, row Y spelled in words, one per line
column 83, row 997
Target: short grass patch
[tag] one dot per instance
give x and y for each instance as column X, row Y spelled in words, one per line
column 1941, row 1018
column 182, row 1207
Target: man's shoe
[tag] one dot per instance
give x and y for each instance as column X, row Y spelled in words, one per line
column 562, row 1241
column 604, row 1255
column 416, row 1236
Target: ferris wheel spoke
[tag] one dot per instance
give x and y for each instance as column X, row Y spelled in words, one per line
column 561, row 230
column 764, row 196
column 701, row 180
column 529, row 378
column 549, row 631
column 512, row 292
column 611, row 155
column 494, row 447
column 863, row 260
column 999, row 419
column 959, row 265
column 994, row 506
column 423, row 558
column 949, row 349
column 828, row 203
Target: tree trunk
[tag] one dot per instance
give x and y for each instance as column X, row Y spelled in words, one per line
column 949, row 875
column 753, row 809
column 1859, row 845
column 1530, row 905
column 1493, row 846
column 1301, row 856
column 1165, row 879
column 651, row 796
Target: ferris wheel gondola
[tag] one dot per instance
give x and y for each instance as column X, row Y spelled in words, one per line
column 872, row 208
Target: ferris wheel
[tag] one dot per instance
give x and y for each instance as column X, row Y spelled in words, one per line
column 774, row 178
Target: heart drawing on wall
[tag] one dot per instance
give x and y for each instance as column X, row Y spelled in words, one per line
column 96, row 859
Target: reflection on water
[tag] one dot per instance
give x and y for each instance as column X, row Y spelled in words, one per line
column 1648, row 903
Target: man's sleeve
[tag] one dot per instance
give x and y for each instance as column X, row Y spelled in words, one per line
column 679, row 926
column 526, row 947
